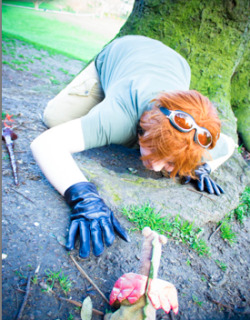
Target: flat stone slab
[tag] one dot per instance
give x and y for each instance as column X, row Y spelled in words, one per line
column 122, row 180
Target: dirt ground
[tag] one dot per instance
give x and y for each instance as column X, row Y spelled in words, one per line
column 35, row 220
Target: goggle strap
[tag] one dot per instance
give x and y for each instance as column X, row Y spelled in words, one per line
column 165, row 111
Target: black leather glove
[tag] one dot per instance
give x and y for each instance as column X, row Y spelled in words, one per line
column 90, row 217
column 204, row 181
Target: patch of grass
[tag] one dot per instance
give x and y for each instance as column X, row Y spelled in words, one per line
column 4, row 114
column 227, row 232
column 5, row 157
column 221, row 265
column 46, row 30
column 36, row 75
column 35, row 279
column 20, row 275
column 64, row 71
column 176, row 228
column 54, row 81
column 188, row 262
column 240, row 149
column 8, row 63
column 239, row 214
column 70, row 317
column 23, row 68
column 58, row 276
column 197, row 301
column 243, row 210
column 18, row 62
column 203, row 278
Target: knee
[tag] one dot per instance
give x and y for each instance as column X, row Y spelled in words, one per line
column 49, row 115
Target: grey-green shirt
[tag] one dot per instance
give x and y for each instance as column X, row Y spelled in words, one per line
column 133, row 70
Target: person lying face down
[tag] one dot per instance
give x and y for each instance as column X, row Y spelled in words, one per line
column 178, row 132
column 133, row 80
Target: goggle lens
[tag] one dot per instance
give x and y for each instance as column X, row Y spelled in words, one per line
column 183, row 121
column 205, row 138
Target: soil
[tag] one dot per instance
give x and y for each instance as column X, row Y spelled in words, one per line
column 35, row 219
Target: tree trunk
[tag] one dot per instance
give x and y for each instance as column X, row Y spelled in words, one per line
column 213, row 37
column 37, row 4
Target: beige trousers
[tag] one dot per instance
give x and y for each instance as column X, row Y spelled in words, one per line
column 76, row 100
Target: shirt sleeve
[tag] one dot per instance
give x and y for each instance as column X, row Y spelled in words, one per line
column 108, row 123
column 221, row 152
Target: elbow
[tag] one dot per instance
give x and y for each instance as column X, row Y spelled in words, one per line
column 42, row 142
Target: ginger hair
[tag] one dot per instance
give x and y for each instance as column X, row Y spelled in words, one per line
column 167, row 143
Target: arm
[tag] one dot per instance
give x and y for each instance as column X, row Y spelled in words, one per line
column 90, row 217
column 52, row 151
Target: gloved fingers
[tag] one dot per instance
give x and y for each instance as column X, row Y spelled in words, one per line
column 215, row 187
column 185, row 179
column 139, row 284
column 165, row 303
column 163, row 295
column 170, row 294
column 209, row 185
column 108, row 231
column 119, row 229
column 96, row 236
column 220, row 188
column 70, row 245
column 130, row 286
column 122, row 288
column 84, row 238
column 200, row 184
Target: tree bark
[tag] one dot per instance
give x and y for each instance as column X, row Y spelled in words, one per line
column 212, row 35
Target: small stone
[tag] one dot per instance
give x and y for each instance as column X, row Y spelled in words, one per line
column 4, row 256
column 132, row 170
column 36, row 224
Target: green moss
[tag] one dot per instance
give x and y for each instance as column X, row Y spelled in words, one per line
column 241, row 98
column 90, row 174
column 207, row 34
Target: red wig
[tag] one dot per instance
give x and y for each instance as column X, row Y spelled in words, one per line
column 167, row 143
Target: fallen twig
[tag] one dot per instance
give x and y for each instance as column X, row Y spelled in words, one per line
column 219, row 303
column 19, row 316
column 88, row 278
column 201, row 211
column 74, row 302
column 202, row 194
column 22, row 195
column 79, row 304
column 15, row 151
column 20, row 290
column 215, row 231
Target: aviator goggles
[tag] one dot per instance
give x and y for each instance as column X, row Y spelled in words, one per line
column 184, row 122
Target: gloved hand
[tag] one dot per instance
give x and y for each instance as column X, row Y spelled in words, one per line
column 204, row 181
column 90, row 217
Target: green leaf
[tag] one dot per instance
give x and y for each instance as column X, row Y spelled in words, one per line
column 86, row 311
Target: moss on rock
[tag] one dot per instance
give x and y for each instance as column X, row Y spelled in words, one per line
column 209, row 34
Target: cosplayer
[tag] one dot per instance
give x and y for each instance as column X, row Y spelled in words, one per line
column 136, row 91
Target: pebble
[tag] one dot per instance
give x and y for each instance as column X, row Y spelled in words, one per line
column 5, row 222
column 36, row 224
column 4, row 256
